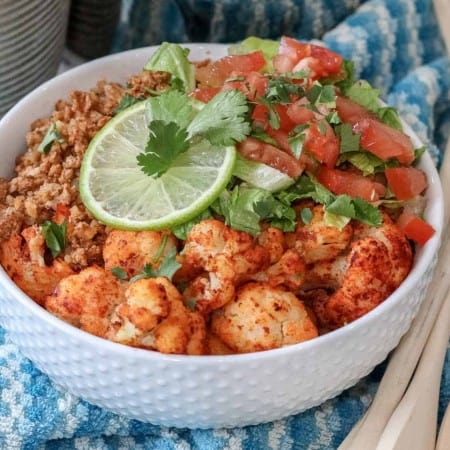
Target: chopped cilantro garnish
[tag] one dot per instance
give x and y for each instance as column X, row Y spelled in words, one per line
column 348, row 142
column 119, row 272
column 306, row 215
column 296, row 143
column 55, row 237
column 173, row 125
column 167, row 140
column 50, row 137
column 245, row 207
column 169, row 265
column 281, row 89
column 126, row 101
column 222, row 120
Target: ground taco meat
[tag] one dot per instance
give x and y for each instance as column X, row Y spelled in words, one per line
column 44, row 181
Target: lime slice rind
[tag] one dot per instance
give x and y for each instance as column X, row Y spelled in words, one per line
column 118, row 193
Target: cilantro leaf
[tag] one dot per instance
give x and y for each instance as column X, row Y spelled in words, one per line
column 172, row 106
column 367, row 213
column 244, row 208
column 50, row 137
column 306, row 215
column 166, row 142
column 322, row 95
column 119, row 272
column 281, row 90
column 169, row 265
column 126, row 101
column 222, row 121
column 296, row 144
column 55, row 237
column 348, row 142
column 355, row 208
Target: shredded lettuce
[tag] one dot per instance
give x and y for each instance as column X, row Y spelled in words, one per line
column 173, row 58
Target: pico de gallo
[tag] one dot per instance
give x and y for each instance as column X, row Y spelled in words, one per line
column 329, row 133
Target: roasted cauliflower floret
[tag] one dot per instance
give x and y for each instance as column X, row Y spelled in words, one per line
column 87, row 299
column 132, row 250
column 288, row 271
column 227, row 257
column 22, row 257
column 262, row 317
column 153, row 316
column 317, row 241
column 378, row 261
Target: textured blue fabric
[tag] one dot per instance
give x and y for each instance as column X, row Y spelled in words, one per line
column 396, row 46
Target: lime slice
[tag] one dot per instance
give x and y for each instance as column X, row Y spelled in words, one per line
column 117, row 192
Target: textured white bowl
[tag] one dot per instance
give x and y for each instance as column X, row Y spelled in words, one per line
column 207, row 391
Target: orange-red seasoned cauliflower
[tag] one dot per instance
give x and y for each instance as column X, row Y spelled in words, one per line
column 262, row 317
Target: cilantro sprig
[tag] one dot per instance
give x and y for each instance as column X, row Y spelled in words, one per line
column 175, row 125
column 169, row 265
column 55, row 236
column 50, row 137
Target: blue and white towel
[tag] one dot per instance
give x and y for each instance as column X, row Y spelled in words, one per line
column 396, row 46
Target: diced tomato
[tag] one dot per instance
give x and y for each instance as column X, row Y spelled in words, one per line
column 299, row 113
column 414, row 227
column 330, row 62
column 280, row 136
column 261, row 114
column 214, row 74
column 256, row 150
column 354, row 185
column 384, row 141
column 350, row 111
column 324, row 147
column 406, row 182
column 283, row 64
column 253, row 85
column 205, row 93
column 294, row 56
column 62, row 213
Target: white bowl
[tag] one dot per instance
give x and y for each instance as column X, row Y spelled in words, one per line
column 199, row 391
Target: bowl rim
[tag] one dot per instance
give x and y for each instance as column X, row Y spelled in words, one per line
column 425, row 254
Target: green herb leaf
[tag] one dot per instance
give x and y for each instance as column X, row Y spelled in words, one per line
column 281, row 89
column 348, row 142
column 50, row 137
column 126, row 101
column 418, row 152
column 367, row 213
column 222, row 121
column 166, row 142
column 244, row 208
column 168, row 267
column 306, row 215
column 119, row 273
column 171, row 106
column 261, row 135
column 296, row 143
column 55, row 237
